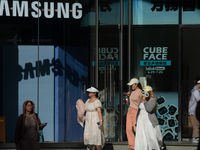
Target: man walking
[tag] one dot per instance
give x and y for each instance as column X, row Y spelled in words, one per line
column 194, row 99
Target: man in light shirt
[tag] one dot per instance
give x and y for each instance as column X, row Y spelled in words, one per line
column 195, row 97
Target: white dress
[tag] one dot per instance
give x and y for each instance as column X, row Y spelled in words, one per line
column 93, row 133
column 147, row 137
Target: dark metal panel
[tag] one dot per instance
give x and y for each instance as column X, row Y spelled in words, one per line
column 97, row 45
column 121, row 69
column 179, row 74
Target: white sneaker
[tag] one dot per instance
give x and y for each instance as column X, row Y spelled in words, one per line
column 195, row 140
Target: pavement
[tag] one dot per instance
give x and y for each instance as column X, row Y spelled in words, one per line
column 171, row 145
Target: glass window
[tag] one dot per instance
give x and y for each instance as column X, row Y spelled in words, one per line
column 154, row 63
column 190, row 12
column 44, row 53
column 155, row 12
column 108, row 75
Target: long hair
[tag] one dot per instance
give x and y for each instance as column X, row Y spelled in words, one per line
column 24, row 106
column 140, row 86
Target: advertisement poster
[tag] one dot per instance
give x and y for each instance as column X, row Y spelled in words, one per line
column 156, row 60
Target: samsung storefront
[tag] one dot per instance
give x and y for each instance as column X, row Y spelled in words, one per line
column 51, row 51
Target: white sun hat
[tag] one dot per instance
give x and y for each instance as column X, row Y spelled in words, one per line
column 92, row 89
column 133, row 81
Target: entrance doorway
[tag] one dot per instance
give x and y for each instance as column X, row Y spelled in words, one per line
column 190, row 69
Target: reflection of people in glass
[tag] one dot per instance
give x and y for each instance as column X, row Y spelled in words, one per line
column 134, row 97
column 27, row 132
column 195, row 97
column 93, row 133
column 148, row 134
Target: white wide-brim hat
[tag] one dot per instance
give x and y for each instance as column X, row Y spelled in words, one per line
column 133, row 81
column 92, row 89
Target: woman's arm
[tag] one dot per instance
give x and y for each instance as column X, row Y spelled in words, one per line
column 39, row 123
column 142, row 98
column 17, row 131
column 196, row 94
column 150, row 105
column 100, row 115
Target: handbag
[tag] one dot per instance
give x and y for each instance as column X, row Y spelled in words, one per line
column 41, row 132
column 41, row 136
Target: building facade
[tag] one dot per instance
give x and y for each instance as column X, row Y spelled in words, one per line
column 51, row 51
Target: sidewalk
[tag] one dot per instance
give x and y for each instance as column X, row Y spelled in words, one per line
column 171, row 145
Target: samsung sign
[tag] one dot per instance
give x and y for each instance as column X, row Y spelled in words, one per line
column 21, row 9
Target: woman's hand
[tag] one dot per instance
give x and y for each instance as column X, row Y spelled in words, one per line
column 143, row 99
column 128, row 94
column 101, row 123
column 100, row 115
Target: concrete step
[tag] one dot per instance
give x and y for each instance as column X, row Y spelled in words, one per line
column 171, row 145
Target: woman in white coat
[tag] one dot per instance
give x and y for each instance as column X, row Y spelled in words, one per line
column 148, row 134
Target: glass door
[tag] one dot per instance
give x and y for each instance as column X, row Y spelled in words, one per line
column 108, row 65
column 190, row 64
